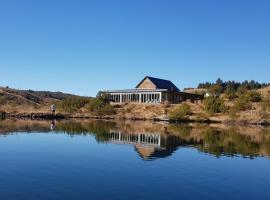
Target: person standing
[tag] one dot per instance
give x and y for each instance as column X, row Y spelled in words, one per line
column 53, row 109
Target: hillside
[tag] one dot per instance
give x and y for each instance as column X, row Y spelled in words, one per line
column 13, row 100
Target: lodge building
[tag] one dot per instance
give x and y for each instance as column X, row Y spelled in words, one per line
column 152, row 91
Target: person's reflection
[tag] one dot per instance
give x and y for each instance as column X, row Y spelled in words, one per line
column 53, row 125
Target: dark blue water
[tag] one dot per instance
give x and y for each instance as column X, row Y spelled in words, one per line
column 36, row 163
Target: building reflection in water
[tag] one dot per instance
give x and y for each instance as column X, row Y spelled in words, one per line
column 155, row 140
column 148, row 145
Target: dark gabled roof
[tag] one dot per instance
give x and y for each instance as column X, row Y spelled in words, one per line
column 161, row 84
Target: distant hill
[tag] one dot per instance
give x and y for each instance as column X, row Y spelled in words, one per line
column 29, row 99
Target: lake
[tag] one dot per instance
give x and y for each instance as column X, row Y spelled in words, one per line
column 132, row 160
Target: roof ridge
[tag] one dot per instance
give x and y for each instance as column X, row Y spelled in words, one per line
column 158, row 78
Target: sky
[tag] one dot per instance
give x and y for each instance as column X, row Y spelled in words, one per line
column 82, row 47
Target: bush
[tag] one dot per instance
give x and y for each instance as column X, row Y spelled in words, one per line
column 230, row 93
column 253, row 96
column 101, row 106
column 214, row 105
column 241, row 90
column 240, row 105
column 180, row 112
column 73, row 104
column 244, row 102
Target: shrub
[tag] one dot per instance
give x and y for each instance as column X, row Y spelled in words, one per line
column 241, row 90
column 244, row 102
column 240, row 105
column 180, row 112
column 73, row 104
column 101, row 106
column 253, row 96
column 214, row 105
column 230, row 93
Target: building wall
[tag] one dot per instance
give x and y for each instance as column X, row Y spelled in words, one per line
column 154, row 97
column 178, row 97
column 147, row 84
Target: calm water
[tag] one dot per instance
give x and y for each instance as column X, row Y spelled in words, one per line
column 132, row 160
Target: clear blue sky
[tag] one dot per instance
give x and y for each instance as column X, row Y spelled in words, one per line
column 82, row 47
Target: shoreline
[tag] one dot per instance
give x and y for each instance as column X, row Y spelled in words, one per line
column 59, row 116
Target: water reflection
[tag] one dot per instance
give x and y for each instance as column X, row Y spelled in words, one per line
column 53, row 125
column 147, row 145
column 157, row 140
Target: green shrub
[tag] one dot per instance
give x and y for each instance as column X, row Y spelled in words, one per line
column 253, row 96
column 241, row 90
column 230, row 93
column 180, row 112
column 244, row 102
column 73, row 104
column 240, row 105
column 101, row 106
column 214, row 105
column 98, row 103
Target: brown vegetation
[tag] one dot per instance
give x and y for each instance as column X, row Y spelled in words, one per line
column 252, row 106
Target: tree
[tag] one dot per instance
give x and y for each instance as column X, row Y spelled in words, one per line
column 219, row 82
column 248, row 85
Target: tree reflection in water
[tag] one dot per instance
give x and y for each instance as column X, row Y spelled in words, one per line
column 157, row 140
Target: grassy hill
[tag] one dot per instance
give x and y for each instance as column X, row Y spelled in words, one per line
column 13, row 100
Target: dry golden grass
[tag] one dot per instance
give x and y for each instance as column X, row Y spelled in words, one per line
column 142, row 111
column 265, row 91
column 16, row 101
